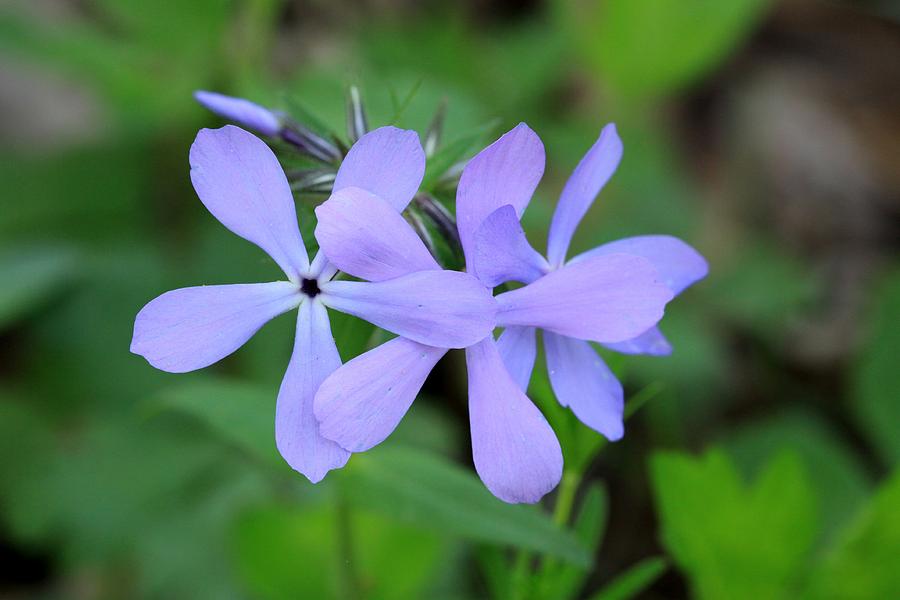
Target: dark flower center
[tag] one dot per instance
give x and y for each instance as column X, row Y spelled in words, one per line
column 310, row 287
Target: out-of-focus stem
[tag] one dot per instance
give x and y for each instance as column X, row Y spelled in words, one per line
column 562, row 510
column 349, row 584
column 521, row 576
column 565, row 498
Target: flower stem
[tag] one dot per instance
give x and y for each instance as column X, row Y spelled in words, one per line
column 566, row 497
column 349, row 587
column 562, row 510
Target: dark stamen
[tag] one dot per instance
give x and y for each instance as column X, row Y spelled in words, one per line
column 310, row 287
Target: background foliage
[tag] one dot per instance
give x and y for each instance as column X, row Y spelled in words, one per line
column 761, row 461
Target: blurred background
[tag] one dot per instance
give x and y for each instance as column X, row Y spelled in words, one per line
column 761, row 463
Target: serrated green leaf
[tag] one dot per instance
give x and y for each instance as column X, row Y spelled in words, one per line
column 732, row 540
column 863, row 562
column 835, row 471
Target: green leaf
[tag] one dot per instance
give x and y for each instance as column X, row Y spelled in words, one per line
column 863, row 563
column 732, row 540
column 307, row 117
column 876, row 382
column 238, row 412
column 31, row 277
column 764, row 289
column 557, row 581
column 408, row 483
column 95, row 193
column 183, row 550
column 835, row 472
column 287, row 553
column 351, row 334
column 495, row 568
column 433, row 493
column 104, row 483
column 453, row 152
column 633, row 581
column 653, row 47
column 144, row 57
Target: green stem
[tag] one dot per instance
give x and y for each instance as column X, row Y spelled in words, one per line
column 565, row 498
column 520, row 576
column 349, row 584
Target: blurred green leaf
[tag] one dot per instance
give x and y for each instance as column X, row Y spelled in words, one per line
column 238, row 412
column 183, row 550
column 27, row 435
column 653, row 47
column 143, row 57
column 290, row 553
column 413, row 486
column 31, row 277
column 495, row 567
column 557, row 581
column 835, row 472
column 633, row 581
column 279, row 552
column 104, row 483
column 733, row 541
column 91, row 193
column 77, row 359
column 876, row 384
column 863, row 562
column 431, row 492
column 448, row 154
column 764, row 289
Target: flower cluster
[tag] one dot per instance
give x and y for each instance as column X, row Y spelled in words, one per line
column 614, row 294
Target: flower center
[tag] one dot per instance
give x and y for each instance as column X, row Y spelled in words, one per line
column 310, row 287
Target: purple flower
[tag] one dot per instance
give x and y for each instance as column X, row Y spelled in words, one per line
column 514, row 449
column 243, row 112
column 239, row 180
column 602, row 281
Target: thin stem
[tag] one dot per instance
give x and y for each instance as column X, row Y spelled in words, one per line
column 562, row 510
column 348, row 584
column 521, row 576
column 566, row 498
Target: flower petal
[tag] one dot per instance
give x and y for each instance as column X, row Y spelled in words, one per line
column 605, row 299
column 502, row 252
column 446, row 309
column 296, row 431
column 582, row 381
column 518, row 348
column 651, row 342
column 678, row 264
column 361, row 403
column 514, row 449
column 239, row 180
column 364, row 236
column 194, row 327
column 506, row 172
column 243, row 112
column 588, row 178
column 387, row 162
